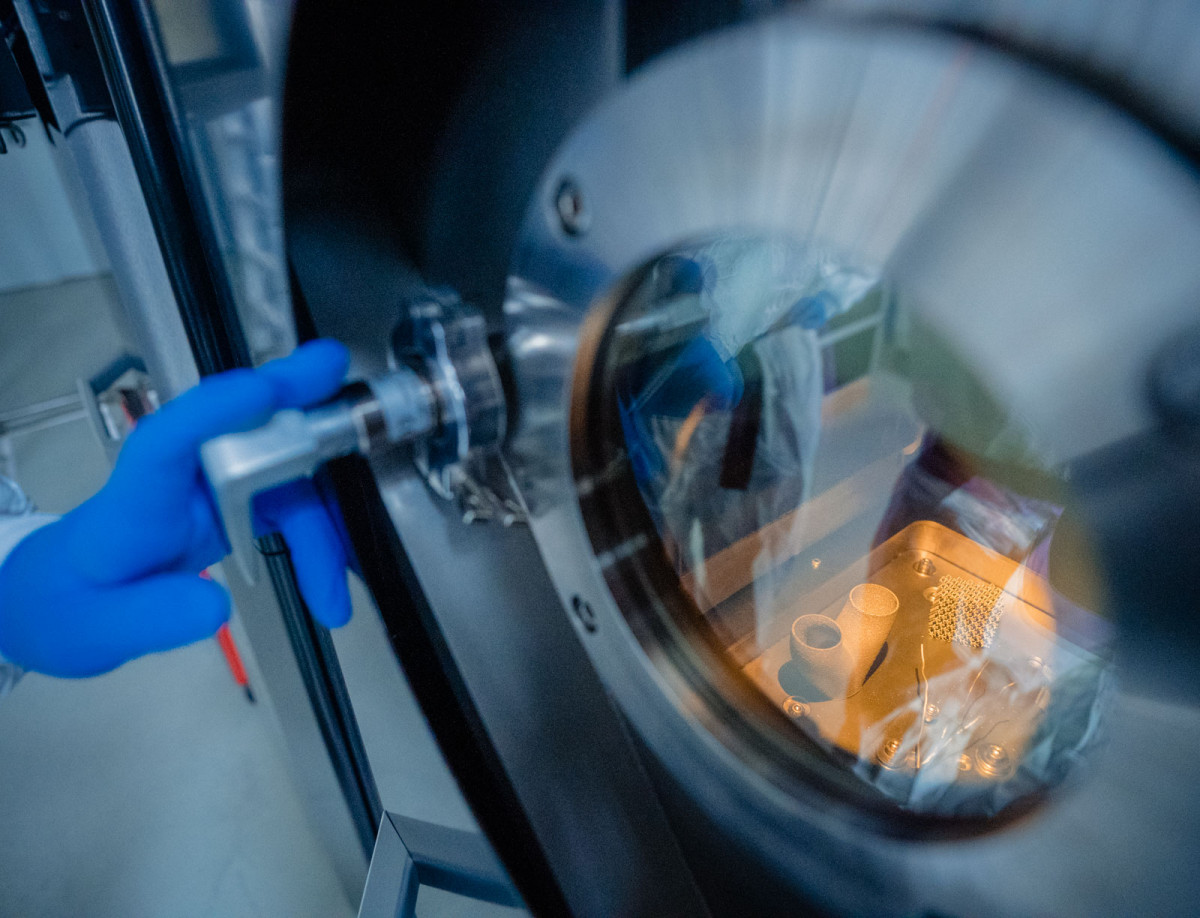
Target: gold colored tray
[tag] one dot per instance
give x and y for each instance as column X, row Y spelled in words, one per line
column 918, row 675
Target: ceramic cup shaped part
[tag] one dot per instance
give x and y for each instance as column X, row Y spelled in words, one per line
column 866, row 620
column 821, row 655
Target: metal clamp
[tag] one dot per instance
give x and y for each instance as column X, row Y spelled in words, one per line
column 447, row 342
column 444, row 398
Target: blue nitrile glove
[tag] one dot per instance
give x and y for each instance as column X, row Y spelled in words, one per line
column 117, row 577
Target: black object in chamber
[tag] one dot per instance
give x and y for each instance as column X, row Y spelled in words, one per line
column 737, row 464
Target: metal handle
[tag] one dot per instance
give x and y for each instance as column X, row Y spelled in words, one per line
column 396, row 408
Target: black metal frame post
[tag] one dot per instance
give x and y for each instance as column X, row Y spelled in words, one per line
column 138, row 73
column 411, row 853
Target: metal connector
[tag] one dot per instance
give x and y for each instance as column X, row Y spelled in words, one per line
column 365, row 416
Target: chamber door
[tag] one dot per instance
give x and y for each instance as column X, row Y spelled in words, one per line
column 836, row 323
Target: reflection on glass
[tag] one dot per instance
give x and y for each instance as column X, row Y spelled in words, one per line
column 858, row 521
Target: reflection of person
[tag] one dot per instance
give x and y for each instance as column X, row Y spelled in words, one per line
column 722, row 430
column 117, row 577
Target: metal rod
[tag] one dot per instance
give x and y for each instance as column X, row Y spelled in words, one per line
column 50, row 413
column 138, row 71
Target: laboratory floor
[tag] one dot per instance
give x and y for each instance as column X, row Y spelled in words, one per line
column 158, row 789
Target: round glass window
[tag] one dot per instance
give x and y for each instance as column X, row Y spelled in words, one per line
column 856, row 521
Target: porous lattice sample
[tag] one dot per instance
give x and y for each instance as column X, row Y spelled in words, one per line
column 966, row 612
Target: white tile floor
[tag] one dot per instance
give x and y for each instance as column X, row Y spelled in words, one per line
column 158, row 789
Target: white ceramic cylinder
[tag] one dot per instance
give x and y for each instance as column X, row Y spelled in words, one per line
column 819, row 651
column 866, row 620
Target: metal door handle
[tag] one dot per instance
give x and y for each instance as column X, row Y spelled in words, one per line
column 399, row 407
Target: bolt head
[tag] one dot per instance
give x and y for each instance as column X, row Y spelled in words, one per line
column 571, row 207
column 794, row 707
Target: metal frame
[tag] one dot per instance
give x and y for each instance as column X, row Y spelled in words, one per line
column 167, row 249
column 155, row 126
column 411, row 853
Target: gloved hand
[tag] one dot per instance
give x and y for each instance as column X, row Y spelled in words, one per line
column 117, row 577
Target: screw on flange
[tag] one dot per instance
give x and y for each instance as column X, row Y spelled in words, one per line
column 994, row 761
column 924, row 567
column 569, row 203
column 584, row 612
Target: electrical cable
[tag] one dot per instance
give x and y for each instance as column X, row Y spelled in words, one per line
column 87, row 119
column 15, row 132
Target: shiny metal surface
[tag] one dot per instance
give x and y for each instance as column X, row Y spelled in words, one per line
column 542, row 757
column 1048, row 238
column 448, row 342
column 1149, row 49
column 507, row 648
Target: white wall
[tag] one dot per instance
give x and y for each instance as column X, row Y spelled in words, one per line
column 43, row 239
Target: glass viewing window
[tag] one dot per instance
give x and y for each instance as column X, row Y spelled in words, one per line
column 861, row 527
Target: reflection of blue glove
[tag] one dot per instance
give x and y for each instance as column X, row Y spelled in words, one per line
column 117, row 577
column 812, row 312
column 697, row 372
column 672, row 388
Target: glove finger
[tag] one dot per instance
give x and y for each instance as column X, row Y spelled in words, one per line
column 236, row 401
column 140, row 512
column 697, row 372
column 120, row 624
column 311, row 373
column 164, row 447
column 231, row 402
column 164, row 612
column 318, row 554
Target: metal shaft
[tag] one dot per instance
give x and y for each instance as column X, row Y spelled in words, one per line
column 364, row 417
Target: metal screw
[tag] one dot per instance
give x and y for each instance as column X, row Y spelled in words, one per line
column 932, row 710
column 887, row 753
column 794, row 707
column 924, row 567
column 994, row 761
column 573, row 214
column 965, row 763
column 584, row 612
